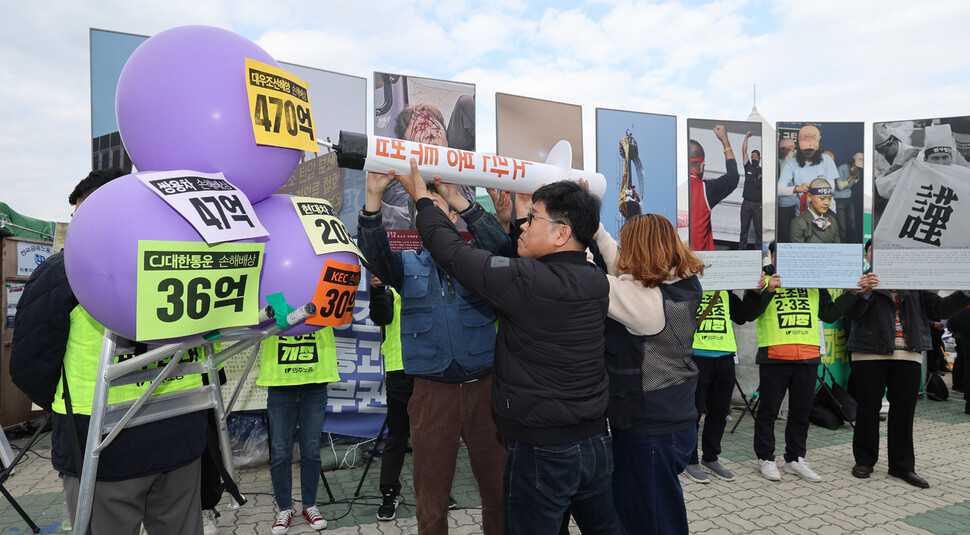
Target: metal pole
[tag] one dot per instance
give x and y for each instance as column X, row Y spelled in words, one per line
column 89, row 470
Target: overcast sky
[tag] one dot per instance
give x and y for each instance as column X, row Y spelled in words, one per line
column 823, row 60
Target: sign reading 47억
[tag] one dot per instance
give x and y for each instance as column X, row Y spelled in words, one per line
column 214, row 207
column 323, row 226
column 280, row 106
column 186, row 288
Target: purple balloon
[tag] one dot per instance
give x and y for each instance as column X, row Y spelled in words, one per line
column 101, row 248
column 182, row 104
column 290, row 265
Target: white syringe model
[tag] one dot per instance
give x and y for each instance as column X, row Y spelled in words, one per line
column 380, row 154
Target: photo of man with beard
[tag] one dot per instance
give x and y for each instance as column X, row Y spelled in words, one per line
column 798, row 173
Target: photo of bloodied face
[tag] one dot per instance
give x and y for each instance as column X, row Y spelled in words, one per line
column 422, row 110
column 424, row 124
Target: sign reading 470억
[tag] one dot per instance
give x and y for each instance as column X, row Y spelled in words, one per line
column 280, row 106
column 187, row 288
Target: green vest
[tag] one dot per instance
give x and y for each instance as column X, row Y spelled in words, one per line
column 299, row 360
column 82, row 356
column 791, row 318
column 715, row 333
column 391, row 347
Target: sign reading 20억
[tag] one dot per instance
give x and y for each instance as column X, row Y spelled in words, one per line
column 280, row 106
column 187, row 288
column 323, row 226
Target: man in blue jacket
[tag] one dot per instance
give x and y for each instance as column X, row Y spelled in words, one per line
column 447, row 344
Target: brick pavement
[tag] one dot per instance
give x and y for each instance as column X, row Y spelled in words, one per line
column 750, row 504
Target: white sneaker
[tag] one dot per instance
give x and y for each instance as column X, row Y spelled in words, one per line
column 802, row 470
column 209, row 526
column 769, row 470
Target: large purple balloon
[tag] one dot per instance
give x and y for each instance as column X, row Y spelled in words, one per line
column 182, row 104
column 101, row 248
column 290, row 264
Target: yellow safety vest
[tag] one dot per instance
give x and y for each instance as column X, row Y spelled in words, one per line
column 391, row 347
column 299, row 360
column 82, row 357
column 791, row 318
column 715, row 333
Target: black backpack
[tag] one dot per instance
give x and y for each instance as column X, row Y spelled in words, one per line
column 935, row 388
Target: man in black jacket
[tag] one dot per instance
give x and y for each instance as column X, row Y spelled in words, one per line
column 550, row 384
column 150, row 474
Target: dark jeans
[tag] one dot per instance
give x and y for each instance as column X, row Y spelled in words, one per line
column 715, row 384
column 396, row 447
column 646, row 489
column 750, row 214
column 542, row 482
column 285, row 408
column 442, row 414
column 900, row 381
column 776, row 379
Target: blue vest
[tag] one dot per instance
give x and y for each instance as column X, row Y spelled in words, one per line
column 441, row 320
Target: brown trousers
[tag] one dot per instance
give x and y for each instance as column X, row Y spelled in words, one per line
column 441, row 413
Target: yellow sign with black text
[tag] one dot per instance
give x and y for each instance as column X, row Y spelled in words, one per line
column 279, row 104
column 326, row 231
column 187, row 288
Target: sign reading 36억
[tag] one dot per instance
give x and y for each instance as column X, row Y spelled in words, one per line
column 280, row 106
column 187, row 288
column 217, row 210
column 326, row 231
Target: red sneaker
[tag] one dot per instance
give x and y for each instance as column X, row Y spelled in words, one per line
column 314, row 518
column 282, row 524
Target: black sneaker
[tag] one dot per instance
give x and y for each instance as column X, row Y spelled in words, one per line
column 452, row 503
column 387, row 511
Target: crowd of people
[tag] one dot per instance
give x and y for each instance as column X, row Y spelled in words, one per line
column 574, row 367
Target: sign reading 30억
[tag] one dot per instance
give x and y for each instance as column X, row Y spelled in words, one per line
column 326, row 231
column 186, row 288
column 335, row 294
column 213, row 206
column 280, row 107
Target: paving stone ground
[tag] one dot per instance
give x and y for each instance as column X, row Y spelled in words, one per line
column 838, row 504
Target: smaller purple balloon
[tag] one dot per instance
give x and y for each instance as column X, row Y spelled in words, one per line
column 290, row 265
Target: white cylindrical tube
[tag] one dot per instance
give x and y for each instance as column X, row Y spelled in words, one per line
column 457, row 166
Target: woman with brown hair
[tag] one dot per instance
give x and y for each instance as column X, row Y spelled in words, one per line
column 654, row 294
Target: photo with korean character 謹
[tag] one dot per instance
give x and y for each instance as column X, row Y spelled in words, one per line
column 921, row 176
column 429, row 112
